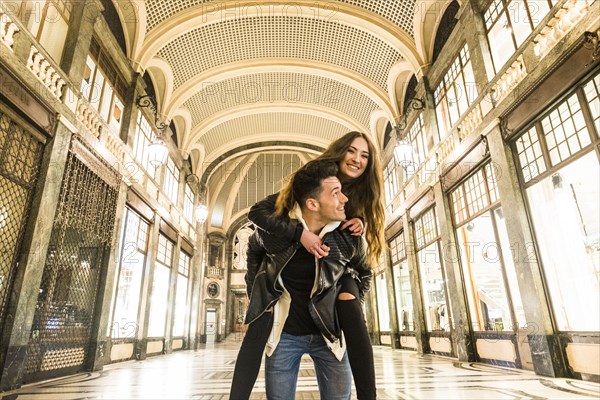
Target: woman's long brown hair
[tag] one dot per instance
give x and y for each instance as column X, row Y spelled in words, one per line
column 365, row 193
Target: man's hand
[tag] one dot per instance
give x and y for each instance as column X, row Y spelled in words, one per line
column 312, row 243
column 355, row 226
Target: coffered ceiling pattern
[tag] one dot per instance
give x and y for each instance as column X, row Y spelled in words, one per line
column 283, row 88
column 246, row 78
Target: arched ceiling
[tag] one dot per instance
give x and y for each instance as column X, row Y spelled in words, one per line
column 246, row 81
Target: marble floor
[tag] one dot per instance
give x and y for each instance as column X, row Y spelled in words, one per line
column 206, row 374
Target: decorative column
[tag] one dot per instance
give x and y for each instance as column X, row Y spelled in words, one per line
column 197, row 268
column 146, row 292
column 461, row 334
column 79, row 38
column 471, row 15
column 420, row 327
column 130, row 109
column 371, row 314
column 430, row 123
column 394, row 323
column 172, row 296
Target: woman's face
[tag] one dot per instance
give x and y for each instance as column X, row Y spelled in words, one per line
column 355, row 160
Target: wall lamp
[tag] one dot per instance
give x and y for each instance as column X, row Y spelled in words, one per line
column 157, row 150
column 403, row 152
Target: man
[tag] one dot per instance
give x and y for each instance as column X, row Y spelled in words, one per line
column 295, row 290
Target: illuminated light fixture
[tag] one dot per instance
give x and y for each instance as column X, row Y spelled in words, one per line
column 403, row 152
column 201, row 213
column 157, row 150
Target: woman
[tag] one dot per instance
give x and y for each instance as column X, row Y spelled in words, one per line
column 361, row 178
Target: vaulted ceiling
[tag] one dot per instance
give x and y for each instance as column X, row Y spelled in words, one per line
column 254, row 87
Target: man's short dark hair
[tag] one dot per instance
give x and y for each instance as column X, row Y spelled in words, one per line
column 307, row 180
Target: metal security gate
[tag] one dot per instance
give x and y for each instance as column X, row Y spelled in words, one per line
column 20, row 158
column 62, row 327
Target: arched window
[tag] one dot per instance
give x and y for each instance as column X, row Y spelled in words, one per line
column 112, row 19
column 445, row 28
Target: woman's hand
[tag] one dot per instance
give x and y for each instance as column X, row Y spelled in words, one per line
column 355, row 226
column 312, row 243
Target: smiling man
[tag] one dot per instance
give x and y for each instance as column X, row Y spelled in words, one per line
column 298, row 291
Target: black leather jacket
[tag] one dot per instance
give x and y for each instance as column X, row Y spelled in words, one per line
column 262, row 215
column 268, row 254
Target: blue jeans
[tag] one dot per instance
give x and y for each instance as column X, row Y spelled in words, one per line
column 281, row 369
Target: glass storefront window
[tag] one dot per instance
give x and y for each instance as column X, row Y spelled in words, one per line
column 565, row 213
column 181, row 294
column 383, row 306
column 482, row 266
column 434, row 294
column 485, row 252
column 402, row 288
column 562, row 187
column 403, row 292
column 509, row 269
column 160, row 288
column 433, row 281
column 129, row 281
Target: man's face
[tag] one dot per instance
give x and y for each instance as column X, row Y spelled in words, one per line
column 331, row 201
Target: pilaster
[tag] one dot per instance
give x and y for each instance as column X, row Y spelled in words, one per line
column 172, row 296
column 371, row 315
column 461, row 335
column 79, row 38
column 130, row 109
column 419, row 311
column 146, row 292
column 394, row 323
column 479, row 48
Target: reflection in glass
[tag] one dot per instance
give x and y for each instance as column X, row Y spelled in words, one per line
column 437, row 313
column 158, row 308
column 133, row 255
column 482, row 267
column 181, row 295
column 160, row 287
column 403, row 293
column 566, row 216
column 383, row 307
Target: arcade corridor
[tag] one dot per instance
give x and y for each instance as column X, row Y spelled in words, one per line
column 205, row 374
column 135, row 135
